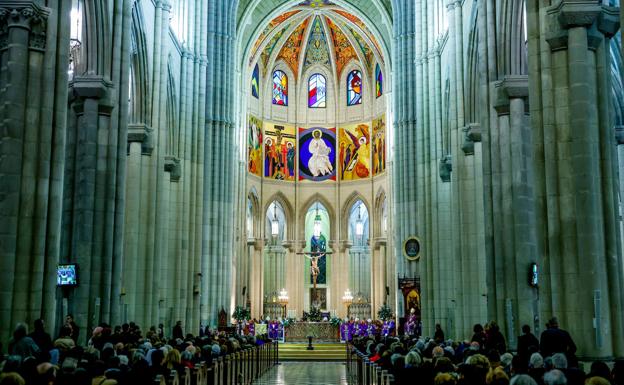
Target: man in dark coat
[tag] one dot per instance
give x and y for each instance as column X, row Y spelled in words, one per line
column 554, row 340
column 177, row 331
column 527, row 344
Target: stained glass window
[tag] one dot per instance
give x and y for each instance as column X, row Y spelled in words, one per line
column 317, row 91
column 379, row 80
column 255, row 81
column 280, row 88
column 354, row 88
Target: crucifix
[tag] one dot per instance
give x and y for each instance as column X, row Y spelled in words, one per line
column 314, row 256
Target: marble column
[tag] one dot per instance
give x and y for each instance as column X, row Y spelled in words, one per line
column 575, row 172
column 33, row 108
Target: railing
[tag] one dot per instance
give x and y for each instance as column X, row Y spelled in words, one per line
column 238, row 368
column 361, row 371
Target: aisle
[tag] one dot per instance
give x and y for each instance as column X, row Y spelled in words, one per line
column 305, row 373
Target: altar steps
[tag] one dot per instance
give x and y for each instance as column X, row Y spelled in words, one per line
column 321, row 352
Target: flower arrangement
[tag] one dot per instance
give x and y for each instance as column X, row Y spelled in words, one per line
column 241, row 314
column 384, row 313
column 288, row 321
column 335, row 321
column 315, row 315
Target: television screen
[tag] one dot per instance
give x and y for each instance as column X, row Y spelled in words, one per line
column 67, row 275
column 533, row 275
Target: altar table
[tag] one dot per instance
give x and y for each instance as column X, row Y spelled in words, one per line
column 320, row 331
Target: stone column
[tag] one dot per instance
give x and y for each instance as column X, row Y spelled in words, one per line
column 407, row 138
column 576, row 183
column 33, row 108
column 256, row 277
column 219, row 161
column 515, row 299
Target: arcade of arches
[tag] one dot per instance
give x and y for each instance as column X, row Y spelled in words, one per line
column 459, row 157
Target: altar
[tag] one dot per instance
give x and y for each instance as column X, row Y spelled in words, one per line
column 320, row 331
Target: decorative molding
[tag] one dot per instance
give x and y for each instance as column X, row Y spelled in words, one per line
column 511, row 87
column 619, row 134
column 581, row 13
column 446, row 168
column 172, row 165
column 472, row 135
column 141, row 133
column 26, row 15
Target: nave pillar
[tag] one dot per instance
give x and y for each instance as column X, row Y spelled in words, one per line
column 33, row 115
column 513, row 210
column 379, row 271
column 342, row 276
column 219, row 162
column 578, row 233
column 254, row 289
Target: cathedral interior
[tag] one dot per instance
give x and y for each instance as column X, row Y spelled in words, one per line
column 166, row 160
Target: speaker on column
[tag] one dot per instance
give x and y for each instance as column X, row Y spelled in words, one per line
column 244, row 290
column 387, row 290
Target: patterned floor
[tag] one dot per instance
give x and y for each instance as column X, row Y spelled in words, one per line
column 305, row 373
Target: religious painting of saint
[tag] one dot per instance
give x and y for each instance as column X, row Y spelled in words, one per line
column 354, row 152
column 279, row 151
column 378, row 142
column 254, row 146
column 317, row 154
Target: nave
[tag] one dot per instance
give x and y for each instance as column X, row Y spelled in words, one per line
column 305, row 373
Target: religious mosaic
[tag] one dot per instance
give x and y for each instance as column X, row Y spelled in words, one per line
column 317, row 154
column 268, row 29
column 366, row 49
column 268, row 50
column 344, row 50
column 254, row 145
column 317, row 50
column 356, row 20
column 379, row 145
column 292, row 48
column 280, row 149
column 315, row 3
column 354, row 152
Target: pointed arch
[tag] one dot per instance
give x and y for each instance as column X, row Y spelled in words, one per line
column 345, row 210
column 289, row 213
column 331, row 212
column 139, row 70
column 380, row 202
column 256, row 215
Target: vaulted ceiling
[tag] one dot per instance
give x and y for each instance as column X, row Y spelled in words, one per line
column 302, row 33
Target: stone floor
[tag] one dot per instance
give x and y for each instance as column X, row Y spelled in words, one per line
column 306, row 373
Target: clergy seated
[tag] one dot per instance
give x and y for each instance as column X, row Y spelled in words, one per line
column 120, row 355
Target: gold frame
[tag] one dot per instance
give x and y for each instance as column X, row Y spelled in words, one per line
column 417, row 257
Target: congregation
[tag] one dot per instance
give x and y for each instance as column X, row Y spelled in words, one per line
column 114, row 355
column 485, row 359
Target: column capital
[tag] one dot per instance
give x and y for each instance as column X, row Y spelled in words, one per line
column 619, row 135
column 472, row 135
column 289, row 245
column 511, row 87
column 141, row 133
column 446, row 168
column 172, row 165
column 380, row 241
column 581, row 13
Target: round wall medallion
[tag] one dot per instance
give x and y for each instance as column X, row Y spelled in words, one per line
column 411, row 249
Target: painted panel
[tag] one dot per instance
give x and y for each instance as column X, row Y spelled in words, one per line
column 317, row 154
column 254, row 145
column 354, row 152
column 280, row 149
column 379, row 145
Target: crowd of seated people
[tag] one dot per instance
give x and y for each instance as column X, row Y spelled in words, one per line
column 114, row 355
column 485, row 359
